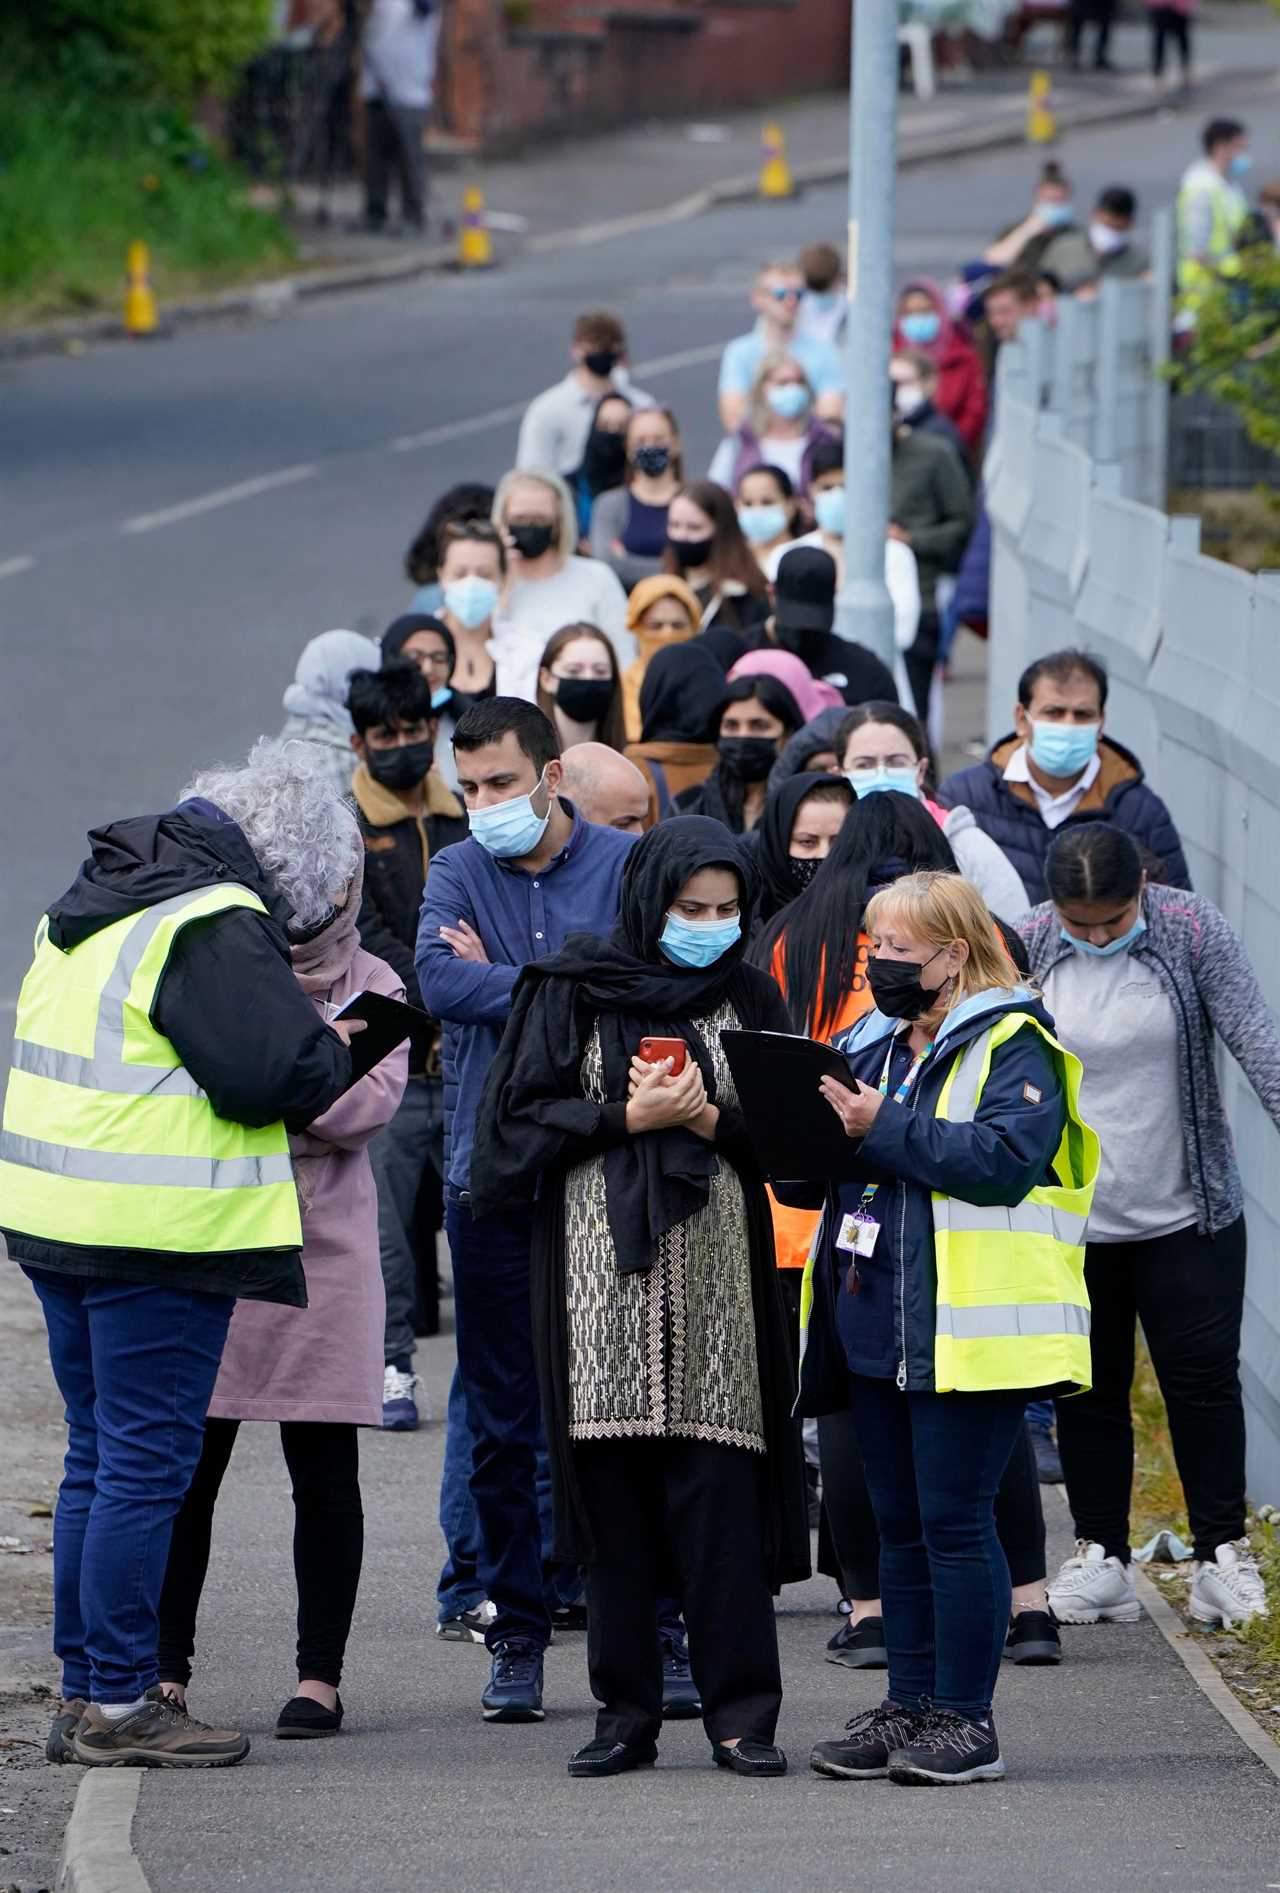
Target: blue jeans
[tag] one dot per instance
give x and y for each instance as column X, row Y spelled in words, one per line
column 460, row 1588
column 1040, row 1413
column 933, row 1463
column 135, row 1365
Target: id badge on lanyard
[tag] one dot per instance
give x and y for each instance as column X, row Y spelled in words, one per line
column 859, row 1231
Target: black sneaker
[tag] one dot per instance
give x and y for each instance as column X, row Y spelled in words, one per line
column 612, row 1758
column 680, row 1699
column 860, row 1646
column 569, row 1617
column 515, row 1683
column 1045, row 1448
column 947, row 1749
column 1033, row 1638
column 58, row 1747
column 863, row 1752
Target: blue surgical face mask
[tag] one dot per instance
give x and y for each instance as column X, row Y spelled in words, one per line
column 1064, row 749
column 789, row 401
column 876, row 781
column 828, row 510
column 1120, row 944
column 510, row 830
column 760, row 524
column 698, row 942
column 1055, row 215
column 440, row 696
column 921, row 326
column 1241, row 162
column 471, row 601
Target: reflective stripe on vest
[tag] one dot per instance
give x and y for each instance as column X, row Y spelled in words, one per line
column 108, row 1142
column 1012, row 1308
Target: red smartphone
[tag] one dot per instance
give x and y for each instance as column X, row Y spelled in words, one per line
column 653, row 1051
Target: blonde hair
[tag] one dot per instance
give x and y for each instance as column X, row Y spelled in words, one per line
column 566, row 542
column 940, row 908
column 761, row 414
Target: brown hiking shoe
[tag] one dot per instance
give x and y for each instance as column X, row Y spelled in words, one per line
column 159, row 1735
column 65, row 1724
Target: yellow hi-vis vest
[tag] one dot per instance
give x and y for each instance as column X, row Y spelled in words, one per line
column 1013, row 1310
column 1227, row 208
column 108, row 1142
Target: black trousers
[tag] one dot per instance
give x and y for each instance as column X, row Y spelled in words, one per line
column 1187, row 1290
column 658, row 1506
column 1101, row 13
column 1170, row 23
column 920, row 660
column 1019, row 1513
column 328, row 1545
column 393, row 143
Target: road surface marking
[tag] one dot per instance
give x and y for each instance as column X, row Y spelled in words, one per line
column 9, row 568
column 223, row 496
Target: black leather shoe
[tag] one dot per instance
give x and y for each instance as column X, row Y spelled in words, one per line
column 612, row 1758
column 750, row 1758
column 301, row 1720
column 860, row 1646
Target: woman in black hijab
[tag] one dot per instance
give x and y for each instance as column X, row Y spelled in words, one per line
column 800, row 825
column 683, row 693
column 665, row 1369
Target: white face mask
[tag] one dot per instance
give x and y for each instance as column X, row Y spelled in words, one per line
column 908, row 397
column 1107, row 241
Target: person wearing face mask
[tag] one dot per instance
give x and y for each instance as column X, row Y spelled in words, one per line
column 406, row 815
column 681, row 698
column 579, row 687
column 473, row 568
column 531, row 872
column 661, row 611
column 824, row 306
column 547, row 584
column 758, row 717
column 923, row 323
column 781, row 428
column 315, row 703
column 1105, row 249
column 629, row 524
column 795, row 836
column 1146, row 983
column 557, row 423
column 469, row 499
column 428, row 642
column 804, row 609
column 767, row 513
column 604, row 459
column 706, row 548
column 1057, row 766
column 915, row 384
column 651, row 1228
column 776, row 298
column 1211, row 208
column 947, row 1282
column 1052, row 210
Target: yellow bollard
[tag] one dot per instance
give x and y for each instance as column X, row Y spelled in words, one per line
column 775, row 173
column 475, row 247
column 1042, row 126
column 139, row 303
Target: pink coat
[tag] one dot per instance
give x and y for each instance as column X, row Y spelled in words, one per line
column 324, row 1361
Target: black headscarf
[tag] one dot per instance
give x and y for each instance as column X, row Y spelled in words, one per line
column 773, row 846
column 398, row 633
column 532, row 1099
column 682, row 696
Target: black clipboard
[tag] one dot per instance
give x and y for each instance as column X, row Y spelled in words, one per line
column 388, row 1023
column 792, row 1128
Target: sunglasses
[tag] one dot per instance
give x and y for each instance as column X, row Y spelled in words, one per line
column 785, row 295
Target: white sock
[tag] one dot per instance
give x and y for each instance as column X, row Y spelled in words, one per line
column 117, row 1711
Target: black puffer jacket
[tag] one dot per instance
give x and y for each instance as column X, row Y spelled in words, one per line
column 229, row 1003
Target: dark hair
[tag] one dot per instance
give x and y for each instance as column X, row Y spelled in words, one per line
column 883, row 837
column 1093, row 861
column 1051, row 172
column 893, row 714
column 400, row 630
column 827, row 456
column 1220, row 131
column 731, row 556
column 470, row 532
column 1060, row 666
column 611, row 731
column 470, row 499
column 918, row 362
column 1021, row 283
column 779, row 475
column 820, row 265
column 1119, row 201
column 398, row 693
column 779, row 702
column 488, row 722
column 677, row 452
column 600, row 328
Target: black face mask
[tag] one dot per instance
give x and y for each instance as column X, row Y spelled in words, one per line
column 402, row 768
column 691, row 552
column 802, row 869
column 896, row 988
column 651, row 460
column 604, row 464
column 750, row 758
column 601, row 361
column 804, row 644
column 532, row 541
column 584, row 699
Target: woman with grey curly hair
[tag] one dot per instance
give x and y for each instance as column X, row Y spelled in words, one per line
column 165, row 1054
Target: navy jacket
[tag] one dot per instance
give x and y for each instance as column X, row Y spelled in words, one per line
column 520, row 917
column 1007, row 812
column 1006, row 1151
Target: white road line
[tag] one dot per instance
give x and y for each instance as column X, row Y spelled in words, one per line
column 687, row 358
column 9, row 568
column 224, row 496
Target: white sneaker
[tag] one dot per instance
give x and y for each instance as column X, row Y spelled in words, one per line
column 1228, row 1591
column 1093, row 1588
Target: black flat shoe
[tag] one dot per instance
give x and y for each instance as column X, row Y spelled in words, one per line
column 860, row 1646
column 750, row 1758
column 302, row 1720
column 612, row 1758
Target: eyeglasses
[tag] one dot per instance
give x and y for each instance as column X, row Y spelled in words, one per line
column 433, row 660
column 785, row 295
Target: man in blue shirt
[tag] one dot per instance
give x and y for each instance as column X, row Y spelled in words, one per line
column 530, row 872
column 776, row 301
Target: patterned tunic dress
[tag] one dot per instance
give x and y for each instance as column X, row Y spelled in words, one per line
column 670, row 1353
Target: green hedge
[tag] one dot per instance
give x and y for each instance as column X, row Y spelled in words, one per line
column 178, row 50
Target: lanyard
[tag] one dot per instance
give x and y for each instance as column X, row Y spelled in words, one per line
column 900, row 1096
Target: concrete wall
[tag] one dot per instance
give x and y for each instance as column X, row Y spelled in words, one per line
column 1082, row 557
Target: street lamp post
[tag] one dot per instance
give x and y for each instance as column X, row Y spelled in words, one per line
column 864, row 610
